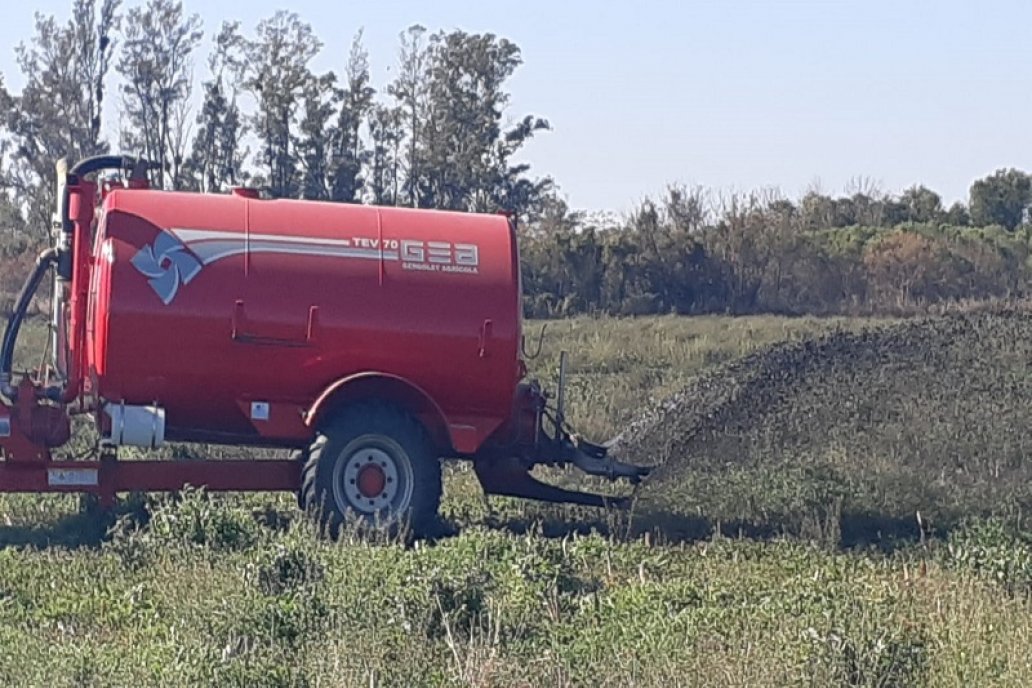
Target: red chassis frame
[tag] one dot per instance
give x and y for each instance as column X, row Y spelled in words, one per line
column 27, row 466
column 108, row 476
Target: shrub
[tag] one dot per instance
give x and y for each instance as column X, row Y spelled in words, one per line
column 289, row 568
column 194, row 518
column 992, row 549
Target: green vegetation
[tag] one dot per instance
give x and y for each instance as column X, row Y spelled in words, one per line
column 767, row 254
column 238, row 590
column 205, row 596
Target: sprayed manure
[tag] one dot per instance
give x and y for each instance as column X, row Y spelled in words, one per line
column 850, row 435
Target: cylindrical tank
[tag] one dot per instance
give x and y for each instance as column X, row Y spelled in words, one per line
column 218, row 308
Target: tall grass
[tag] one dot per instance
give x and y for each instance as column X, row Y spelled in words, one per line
column 239, row 591
column 208, row 595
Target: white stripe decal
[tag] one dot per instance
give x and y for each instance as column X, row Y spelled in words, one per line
column 211, row 251
column 189, row 236
column 211, row 246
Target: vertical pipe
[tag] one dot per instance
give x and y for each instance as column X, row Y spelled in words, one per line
column 80, row 210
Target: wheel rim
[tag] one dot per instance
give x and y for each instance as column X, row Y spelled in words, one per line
column 373, row 478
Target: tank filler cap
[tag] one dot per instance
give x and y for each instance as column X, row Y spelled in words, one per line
column 245, row 192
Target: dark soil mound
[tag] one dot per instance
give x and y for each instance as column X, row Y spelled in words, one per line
column 928, row 416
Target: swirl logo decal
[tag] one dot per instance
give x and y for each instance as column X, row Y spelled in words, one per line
column 167, row 265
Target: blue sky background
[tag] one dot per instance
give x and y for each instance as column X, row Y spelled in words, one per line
column 731, row 94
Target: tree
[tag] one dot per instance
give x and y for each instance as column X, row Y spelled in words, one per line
column 1001, row 199
column 386, row 136
column 349, row 152
column 845, row 212
column 746, row 243
column 957, row 215
column 217, row 158
column 12, row 222
column 316, row 136
column 156, row 65
column 409, row 90
column 332, row 151
column 275, row 71
column 6, row 100
column 507, row 186
column 450, row 93
column 868, row 201
column 466, row 100
column 6, row 105
column 59, row 111
column 465, row 153
column 921, row 204
column 817, row 210
column 687, row 208
column 675, row 270
column 902, row 266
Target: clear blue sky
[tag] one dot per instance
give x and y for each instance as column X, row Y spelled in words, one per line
column 730, row 94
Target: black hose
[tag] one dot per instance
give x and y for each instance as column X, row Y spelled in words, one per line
column 50, row 257
column 102, row 162
column 14, row 322
column 110, row 162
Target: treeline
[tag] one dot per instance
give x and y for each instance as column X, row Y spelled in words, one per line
column 437, row 135
column 697, row 252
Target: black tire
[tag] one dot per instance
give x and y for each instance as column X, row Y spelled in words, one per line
column 379, row 440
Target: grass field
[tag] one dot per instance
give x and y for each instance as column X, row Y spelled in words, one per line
column 238, row 591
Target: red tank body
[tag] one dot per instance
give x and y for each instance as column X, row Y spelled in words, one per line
column 236, row 315
column 376, row 341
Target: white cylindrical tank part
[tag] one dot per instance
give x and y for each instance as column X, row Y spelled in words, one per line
column 136, row 426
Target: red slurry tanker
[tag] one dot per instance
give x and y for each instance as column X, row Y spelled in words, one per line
column 376, row 341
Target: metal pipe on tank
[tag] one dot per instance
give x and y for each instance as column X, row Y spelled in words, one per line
column 62, row 235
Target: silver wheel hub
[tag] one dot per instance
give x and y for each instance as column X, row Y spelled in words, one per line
column 371, row 481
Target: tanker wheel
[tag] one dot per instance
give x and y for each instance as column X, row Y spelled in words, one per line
column 374, row 465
